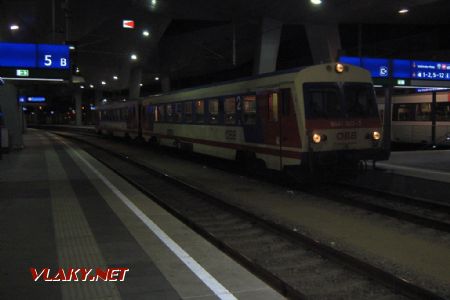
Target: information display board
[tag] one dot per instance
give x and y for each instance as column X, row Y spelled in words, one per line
column 378, row 67
column 39, row 56
column 401, row 68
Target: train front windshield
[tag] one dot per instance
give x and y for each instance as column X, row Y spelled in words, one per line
column 331, row 100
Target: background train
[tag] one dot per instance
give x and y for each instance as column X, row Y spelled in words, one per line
column 412, row 118
column 307, row 118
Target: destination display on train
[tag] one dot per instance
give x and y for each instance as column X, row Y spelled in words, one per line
column 39, row 56
column 401, row 68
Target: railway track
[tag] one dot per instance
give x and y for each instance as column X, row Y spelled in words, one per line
column 296, row 265
column 417, row 211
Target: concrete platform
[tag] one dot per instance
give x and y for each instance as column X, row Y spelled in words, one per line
column 60, row 208
column 418, row 255
column 430, row 165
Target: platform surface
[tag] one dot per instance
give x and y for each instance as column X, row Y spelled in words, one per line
column 430, row 164
column 60, row 208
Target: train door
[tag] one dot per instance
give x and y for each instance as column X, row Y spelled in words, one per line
column 247, row 107
column 279, row 123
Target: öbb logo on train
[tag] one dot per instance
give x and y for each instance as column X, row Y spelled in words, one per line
column 346, row 135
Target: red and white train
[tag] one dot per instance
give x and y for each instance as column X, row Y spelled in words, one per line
column 310, row 117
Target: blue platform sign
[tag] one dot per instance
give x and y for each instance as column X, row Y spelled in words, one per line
column 17, row 55
column 53, row 56
column 34, row 56
column 378, row 67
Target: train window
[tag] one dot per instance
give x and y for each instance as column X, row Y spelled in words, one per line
column 169, row 113
column 423, row 112
column 322, row 100
column 160, row 113
column 188, row 112
column 273, row 107
column 200, row 111
column 250, row 109
column 360, row 100
column 443, row 111
column 403, row 112
column 177, row 114
column 230, row 110
column 213, row 109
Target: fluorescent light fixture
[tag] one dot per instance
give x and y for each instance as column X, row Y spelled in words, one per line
column 146, row 33
column 134, row 57
column 14, row 27
column 316, row 2
column 403, row 11
column 115, row 77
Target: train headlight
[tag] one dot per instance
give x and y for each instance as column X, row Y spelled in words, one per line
column 339, row 68
column 316, row 138
column 376, row 135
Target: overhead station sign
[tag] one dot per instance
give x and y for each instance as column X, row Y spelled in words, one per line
column 34, row 62
column 402, row 68
column 34, row 56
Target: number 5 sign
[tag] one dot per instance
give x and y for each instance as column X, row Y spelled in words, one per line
column 53, row 57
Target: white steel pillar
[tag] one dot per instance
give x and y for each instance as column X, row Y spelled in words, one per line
column 135, row 83
column 11, row 114
column 324, row 42
column 78, row 104
column 267, row 51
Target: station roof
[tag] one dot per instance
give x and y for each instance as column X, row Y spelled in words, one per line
column 195, row 36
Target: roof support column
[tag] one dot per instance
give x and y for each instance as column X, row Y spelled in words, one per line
column 267, row 51
column 135, row 83
column 12, row 115
column 78, row 111
column 165, row 83
column 324, row 42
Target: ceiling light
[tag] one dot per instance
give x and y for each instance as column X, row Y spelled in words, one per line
column 115, row 77
column 77, row 70
column 81, row 86
column 316, row 2
column 91, row 86
column 157, row 78
column 14, row 27
column 141, row 85
column 146, row 33
column 134, row 57
column 103, row 82
column 403, row 11
column 72, row 47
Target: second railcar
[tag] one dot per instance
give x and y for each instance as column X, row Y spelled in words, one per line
column 310, row 117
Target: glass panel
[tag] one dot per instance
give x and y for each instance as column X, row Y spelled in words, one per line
column 250, row 109
column 230, row 110
column 423, row 112
column 403, row 112
column 360, row 100
column 169, row 113
column 273, row 107
column 443, row 111
column 213, row 107
column 200, row 111
column 322, row 101
column 177, row 112
column 188, row 112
